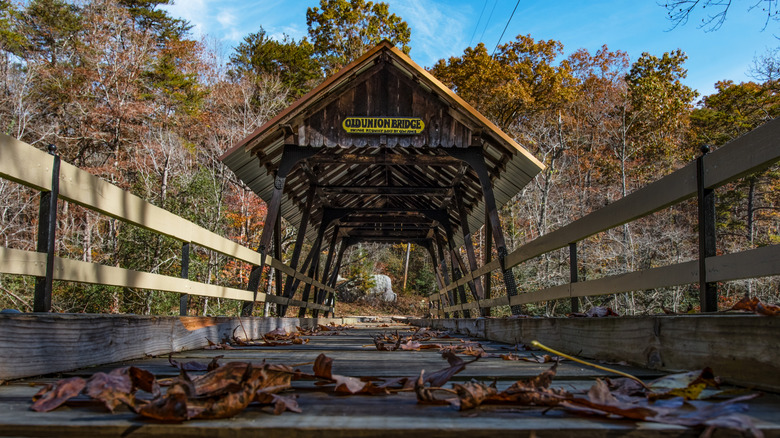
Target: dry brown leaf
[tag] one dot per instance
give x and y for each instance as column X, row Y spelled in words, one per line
column 53, row 396
column 425, row 395
column 472, row 394
column 756, row 306
column 112, row 389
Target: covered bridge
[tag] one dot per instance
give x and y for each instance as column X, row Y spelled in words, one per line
column 383, row 152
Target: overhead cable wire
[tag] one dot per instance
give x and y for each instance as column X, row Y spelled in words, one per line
column 505, row 27
column 476, row 26
column 481, row 37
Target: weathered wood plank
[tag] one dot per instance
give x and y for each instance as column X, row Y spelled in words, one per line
column 754, row 263
column 338, row 416
column 24, row 164
column 743, row 349
column 756, row 150
column 34, row 263
column 34, row 344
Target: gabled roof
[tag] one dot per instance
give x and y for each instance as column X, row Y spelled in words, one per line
column 384, row 82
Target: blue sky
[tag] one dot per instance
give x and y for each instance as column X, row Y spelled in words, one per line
column 442, row 28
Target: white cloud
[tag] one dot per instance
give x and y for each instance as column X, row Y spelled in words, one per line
column 194, row 11
column 226, row 18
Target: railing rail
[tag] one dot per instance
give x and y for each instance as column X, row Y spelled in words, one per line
column 28, row 166
column 743, row 156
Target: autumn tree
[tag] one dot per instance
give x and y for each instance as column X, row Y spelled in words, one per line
column 658, row 113
column 342, row 30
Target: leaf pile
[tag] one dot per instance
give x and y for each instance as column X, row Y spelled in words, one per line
column 674, row 399
column 222, row 392
column 415, row 342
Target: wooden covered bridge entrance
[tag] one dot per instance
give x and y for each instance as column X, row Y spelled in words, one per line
column 383, row 152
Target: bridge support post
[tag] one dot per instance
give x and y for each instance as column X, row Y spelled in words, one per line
column 487, row 256
column 708, row 291
column 573, row 275
column 460, row 296
column 476, row 286
column 47, row 228
column 473, row 157
column 184, row 299
column 443, row 269
column 291, row 155
column 320, row 295
column 299, row 239
column 315, row 264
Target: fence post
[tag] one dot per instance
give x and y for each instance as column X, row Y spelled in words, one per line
column 47, row 228
column 708, row 291
column 184, row 300
column 573, row 275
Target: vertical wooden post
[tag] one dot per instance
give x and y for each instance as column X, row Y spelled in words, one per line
column 184, row 300
column 333, row 279
column 487, row 256
column 314, row 273
column 708, row 291
column 321, row 295
column 291, row 155
column 406, row 265
column 476, row 286
column 299, row 239
column 456, row 273
column 315, row 263
column 277, row 256
column 573, row 275
column 443, row 269
column 473, row 157
column 47, row 228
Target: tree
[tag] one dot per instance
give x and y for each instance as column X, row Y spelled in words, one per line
column 293, row 61
column 746, row 209
column 157, row 21
column 50, row 28
column 342, row 30
column 659, row 107
column 679, row 11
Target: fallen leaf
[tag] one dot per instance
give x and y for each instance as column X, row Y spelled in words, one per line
column 112, row 389
column 285, row 403
column 194, row 365
column 53, row 396
column 756, row 306
column 687, row 385
column 472, row 394
column 425, row 395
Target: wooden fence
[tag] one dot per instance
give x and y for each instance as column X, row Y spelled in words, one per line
column 748, row 154
column 26, row 165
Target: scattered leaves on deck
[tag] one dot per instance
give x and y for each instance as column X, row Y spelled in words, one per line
column 227, row 390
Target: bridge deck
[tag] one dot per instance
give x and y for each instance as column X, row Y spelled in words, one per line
column 327, row 414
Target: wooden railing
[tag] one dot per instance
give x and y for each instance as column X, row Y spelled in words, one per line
column 26, row 165
column 748, row 154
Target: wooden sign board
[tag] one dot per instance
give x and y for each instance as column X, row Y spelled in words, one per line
column 383, row 125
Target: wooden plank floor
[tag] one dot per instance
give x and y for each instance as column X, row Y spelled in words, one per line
column 327, row 414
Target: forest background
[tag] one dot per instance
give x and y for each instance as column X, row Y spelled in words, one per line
column 123, row 91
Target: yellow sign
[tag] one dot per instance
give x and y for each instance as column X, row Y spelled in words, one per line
column 383, row 125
